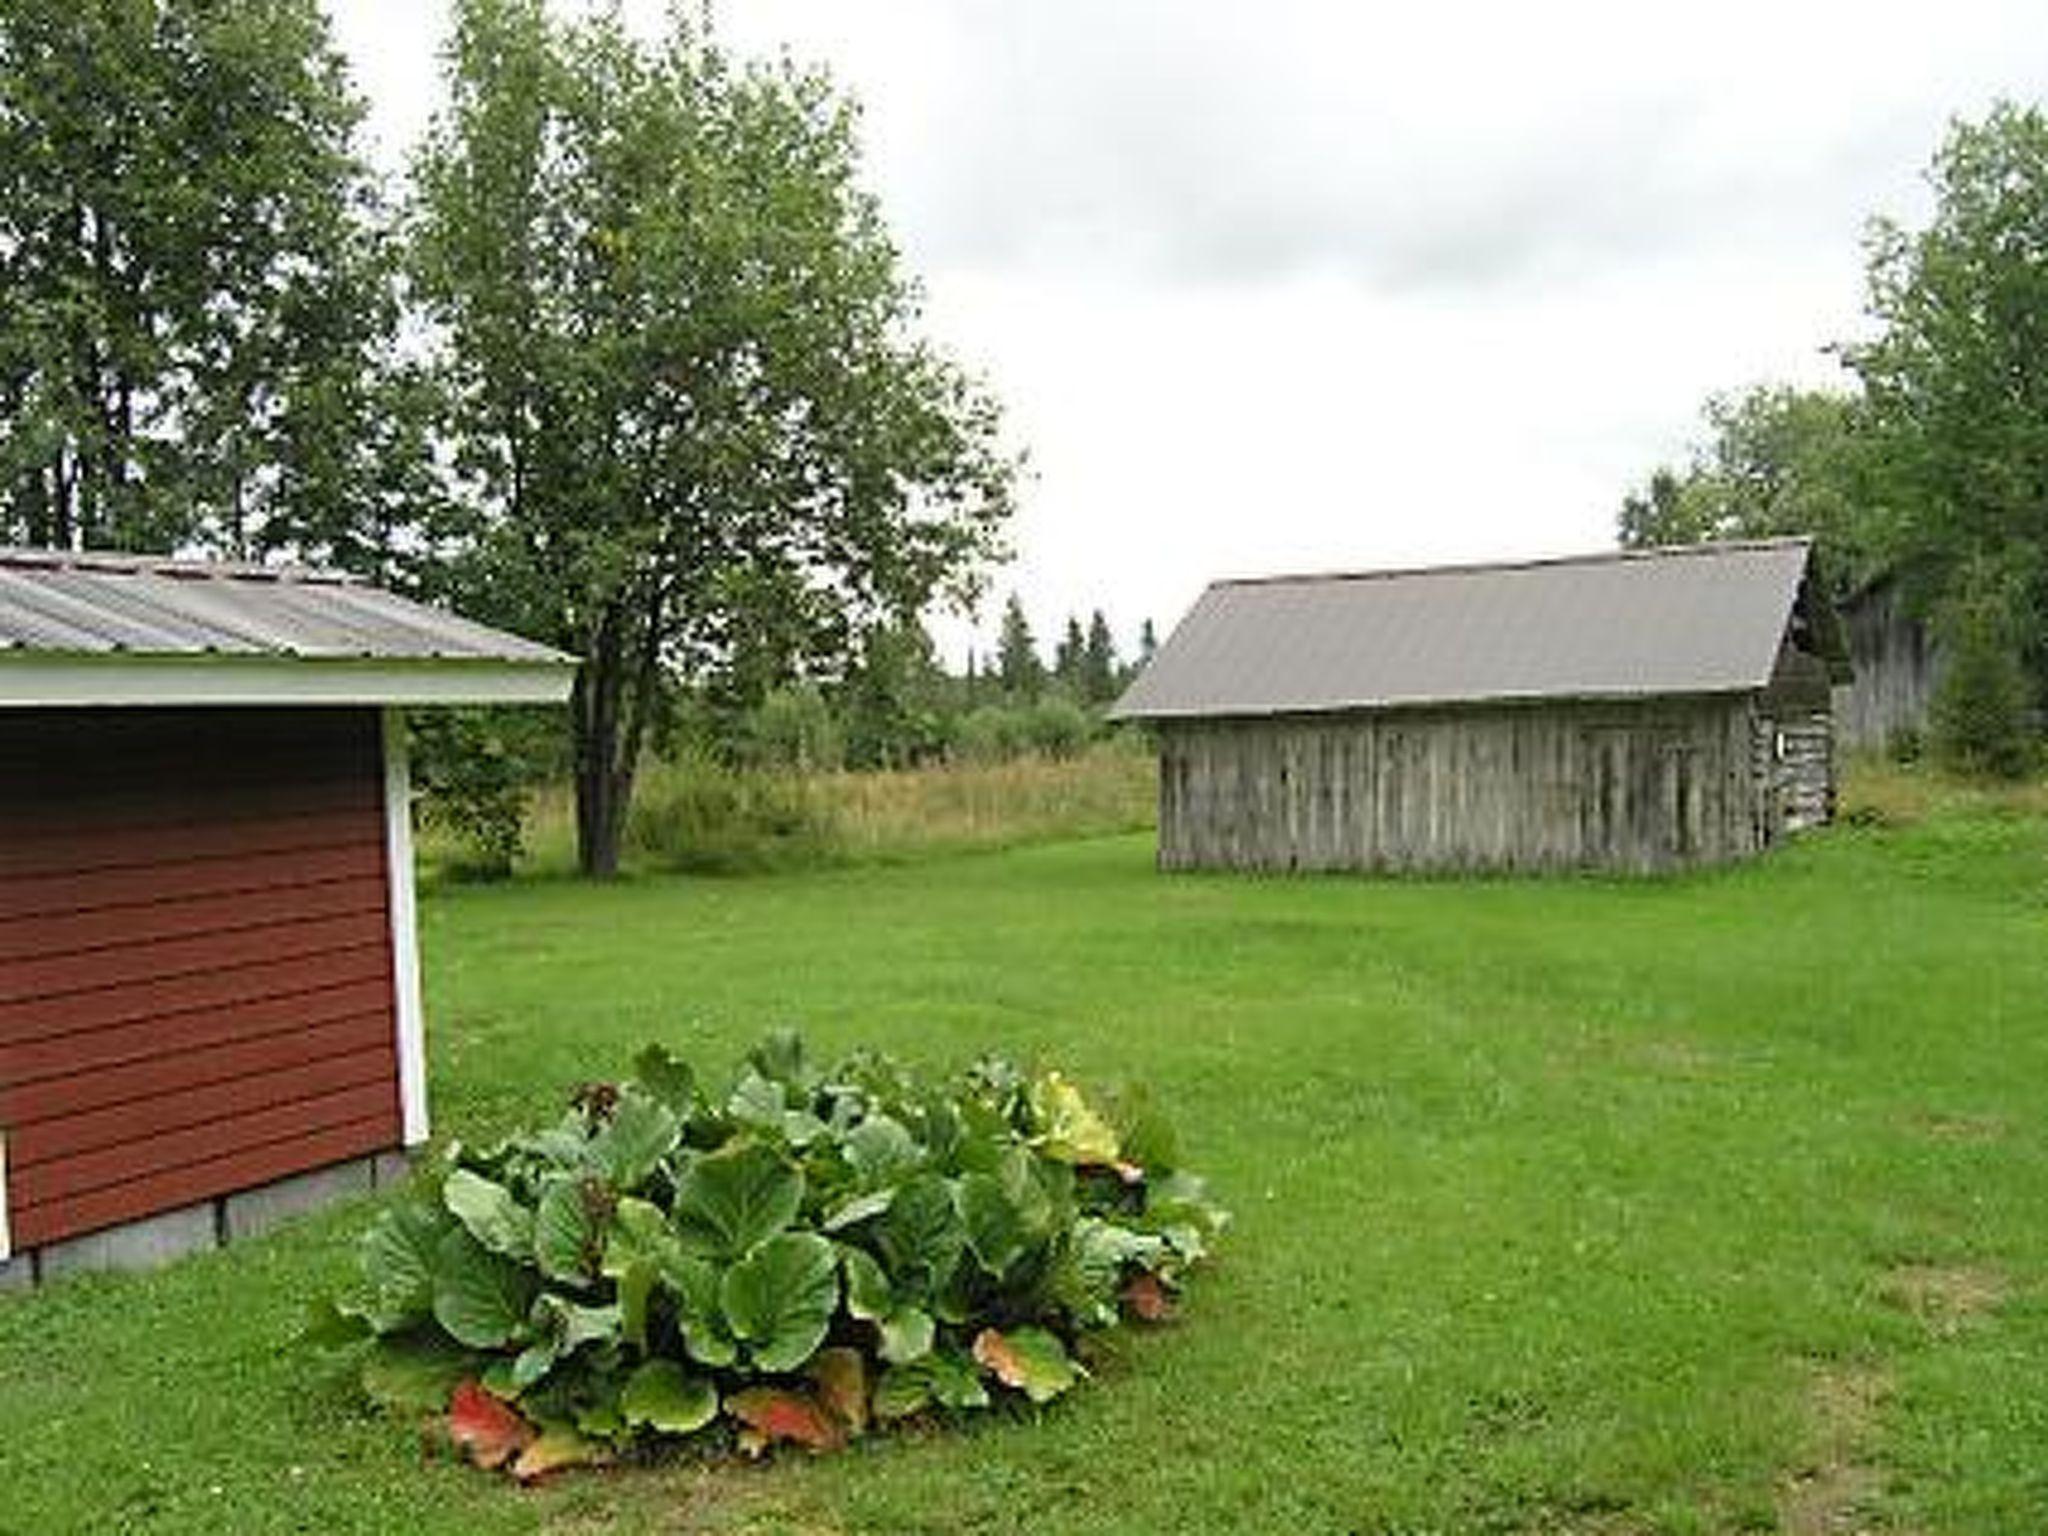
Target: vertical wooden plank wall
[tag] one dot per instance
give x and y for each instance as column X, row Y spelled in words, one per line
column 1557, row 785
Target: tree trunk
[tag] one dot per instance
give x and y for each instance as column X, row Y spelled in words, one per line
column 594, row 721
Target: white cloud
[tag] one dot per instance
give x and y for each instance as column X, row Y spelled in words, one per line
column 1312, row 284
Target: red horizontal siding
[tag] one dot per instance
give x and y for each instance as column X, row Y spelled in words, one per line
column 165, row 958
column 181, row 824
column 108, row 890
column 163, row 1189
column 196, row 988
column 304, row 1035
column 148, row 1016
column 119, row 1127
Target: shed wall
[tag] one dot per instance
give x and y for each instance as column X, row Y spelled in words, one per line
column 1556, row 785
column 1896, row 672
column 196, row 981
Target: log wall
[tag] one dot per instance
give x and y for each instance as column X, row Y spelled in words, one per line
column 1550, row 785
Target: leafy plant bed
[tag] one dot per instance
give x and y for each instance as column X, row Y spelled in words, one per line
column 793, row 1259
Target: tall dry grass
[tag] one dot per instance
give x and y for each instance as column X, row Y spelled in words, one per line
column 1877, row 791
column 700, row 816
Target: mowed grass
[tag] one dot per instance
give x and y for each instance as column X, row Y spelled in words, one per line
column 1710, row 1204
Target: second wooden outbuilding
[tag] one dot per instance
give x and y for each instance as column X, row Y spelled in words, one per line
column 1638, row 710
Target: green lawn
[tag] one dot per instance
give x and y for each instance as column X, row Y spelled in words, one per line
column 1711, row 1204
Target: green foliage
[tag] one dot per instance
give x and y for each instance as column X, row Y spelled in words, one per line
column 697, row 814
column 197, row 326
column 1019, row 671
column 683, row 374
column 1979, row 715
column 660, row 1253
column 1776, row 461
column 476, row 770
column 1956, row 393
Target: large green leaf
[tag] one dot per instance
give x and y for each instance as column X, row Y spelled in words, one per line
column 667, row 1079
column 996, row 1228
column 906, row 1334
column 397, row 1261
column 414, row 1372
column 905, row 1330
column 480, row 1298
column 693, row 1284
column 779, row 1300
column 869, row 1296
column 880, row 1149
column 851, row 1213
column 762, row 1104
column 640, row 1133
column 490, row 1213
column 921, row 1236
column 729, row 1201
column 568, row 1228
column 938, row 1378
column 637, row 1243
column 666, row 1398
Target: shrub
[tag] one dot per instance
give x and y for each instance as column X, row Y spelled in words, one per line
column 695, row 814
column 1058, row 727
column 1979, row 712
column 793, row 728
column 789, row 1259
column 476, row 770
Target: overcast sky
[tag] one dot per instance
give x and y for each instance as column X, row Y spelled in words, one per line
column 1300, row 285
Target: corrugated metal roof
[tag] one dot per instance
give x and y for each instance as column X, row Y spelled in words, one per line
column 54, row 603
column 1705, row 618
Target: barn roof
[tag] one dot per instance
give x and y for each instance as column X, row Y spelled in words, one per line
column 1705, row 618
column 108, row 628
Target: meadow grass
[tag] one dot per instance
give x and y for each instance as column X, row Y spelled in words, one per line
column 699, row 817
column 1703, row 1204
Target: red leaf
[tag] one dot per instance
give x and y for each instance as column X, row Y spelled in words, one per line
column 491, row 1432
column 1147, row 1298
column 772, row 1414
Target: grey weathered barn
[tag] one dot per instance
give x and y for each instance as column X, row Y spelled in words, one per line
column 1640, row 711
column 1896, row 667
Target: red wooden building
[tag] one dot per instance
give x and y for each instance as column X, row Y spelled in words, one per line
column 209, row 989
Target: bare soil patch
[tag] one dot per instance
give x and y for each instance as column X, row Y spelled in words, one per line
column 1944, row 1297
column 1830, row 1493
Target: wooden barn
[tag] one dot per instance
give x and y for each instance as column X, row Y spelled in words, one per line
column 209, row 992
column 1896, row 667
column 1630, row 711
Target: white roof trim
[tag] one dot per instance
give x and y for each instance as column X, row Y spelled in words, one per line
column 46, row 681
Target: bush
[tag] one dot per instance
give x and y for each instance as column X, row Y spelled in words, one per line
column 1979, row 712
column 476, row 770
column 793, row 728
column 697, row 815
column 1058, row 727
column 787, row 1259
